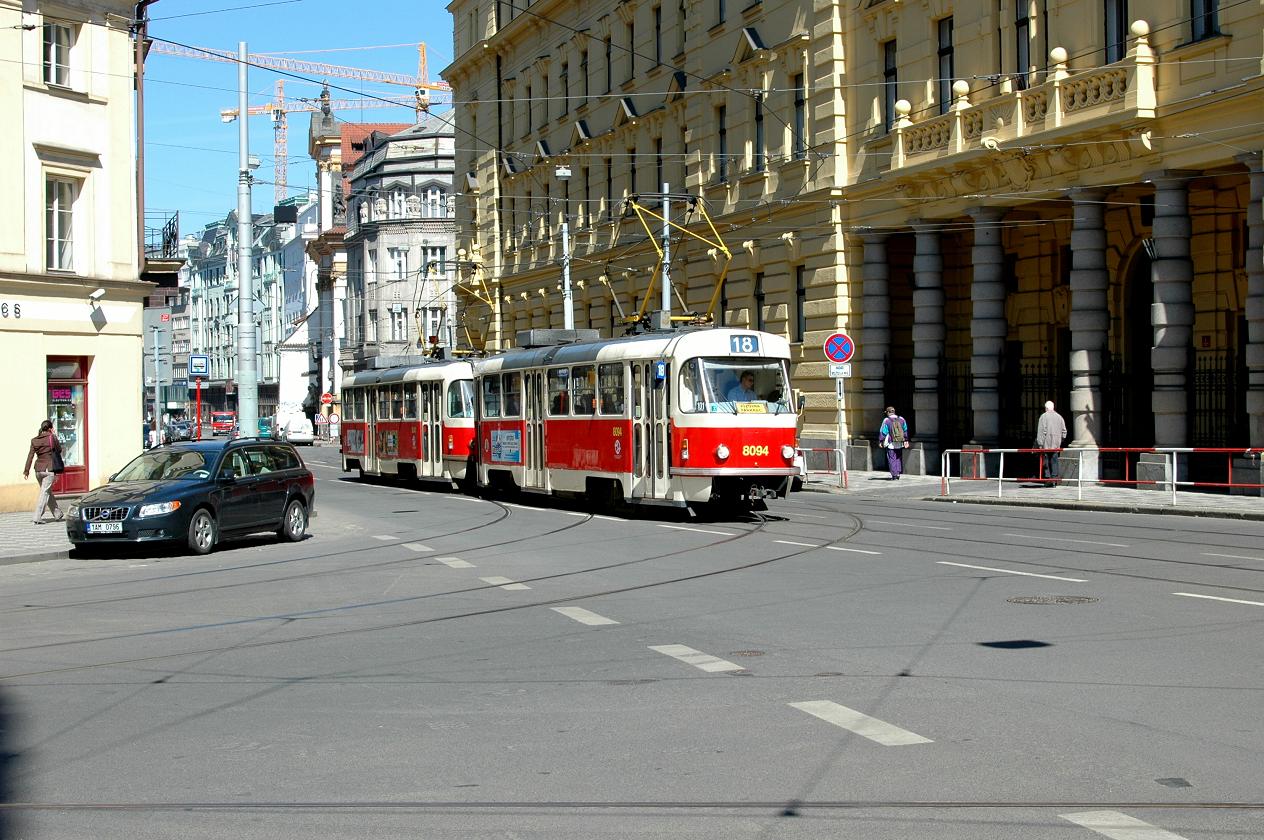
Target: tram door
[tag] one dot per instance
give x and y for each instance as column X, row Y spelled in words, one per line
column 533, row 400
column 649, row 428
column 370, row 430
column 431, row 449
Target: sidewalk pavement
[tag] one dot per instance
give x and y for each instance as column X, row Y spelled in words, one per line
column 22, row 541
column 1112, row 498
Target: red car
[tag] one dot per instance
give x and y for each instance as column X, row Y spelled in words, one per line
column 223, row 422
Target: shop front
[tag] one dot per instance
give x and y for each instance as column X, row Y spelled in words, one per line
column 68, row 409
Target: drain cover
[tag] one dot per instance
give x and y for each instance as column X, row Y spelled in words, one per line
column 1052, row 599
column 747, row 653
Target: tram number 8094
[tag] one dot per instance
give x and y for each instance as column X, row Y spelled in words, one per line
column 754, row 450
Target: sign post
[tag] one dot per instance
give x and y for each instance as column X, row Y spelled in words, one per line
column 839, row 349
column 199, row 369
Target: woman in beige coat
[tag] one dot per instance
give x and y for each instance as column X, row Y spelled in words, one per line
column 43, row 445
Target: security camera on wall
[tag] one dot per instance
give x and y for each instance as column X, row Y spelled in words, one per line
column 97, row 295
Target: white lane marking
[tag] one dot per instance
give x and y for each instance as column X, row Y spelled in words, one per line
column 1065, row 539
column 572, row 513
column 1216, row 598
column 697, row 658
column 808, row 515
column 699, row 530
column 384, row 538
column 417, row 547
column 504, row 582
column 1011, row 572
column 805, row 545
column 455, row 563
column 853, row 550
column 906, row 525
column 867, row 727
column 1119, row 826
column 1234, row 556
column 583, row 616
column 609, row 518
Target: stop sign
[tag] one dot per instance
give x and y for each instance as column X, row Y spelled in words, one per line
column 326, row 398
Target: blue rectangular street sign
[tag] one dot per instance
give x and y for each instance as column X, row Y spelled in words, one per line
column 199, row 367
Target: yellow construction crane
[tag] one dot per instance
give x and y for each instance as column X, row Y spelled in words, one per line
column 424, row 93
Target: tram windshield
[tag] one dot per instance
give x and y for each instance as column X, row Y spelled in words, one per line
column 461, row 398
column 734, row 386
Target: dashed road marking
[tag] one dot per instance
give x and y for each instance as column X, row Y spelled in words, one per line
column 504, row 583
column 417, row 547
column 1011, row 572
column 805, row 545
column 1234, row 556
column 697, row 658
column 583, row 616
column 455, row 563
column 384, row 538
column 698, row 530
column 906, row 525
column 1217, row 598
column 1065, row 539
column 852, row 550
column 860, row 723
column 1119, row 826
column 572, row 513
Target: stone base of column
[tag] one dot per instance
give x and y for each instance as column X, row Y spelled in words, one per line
column 917, row 460
column 1083, row 464
column 1249, row 470
column 861, row 455
column 973, row 465
column 1156, row 468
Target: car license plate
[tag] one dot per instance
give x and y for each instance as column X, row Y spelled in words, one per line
column 105, row 527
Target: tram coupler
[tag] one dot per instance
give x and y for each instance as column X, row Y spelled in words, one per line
column 758, row 493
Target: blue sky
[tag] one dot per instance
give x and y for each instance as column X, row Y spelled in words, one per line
column 191, row 155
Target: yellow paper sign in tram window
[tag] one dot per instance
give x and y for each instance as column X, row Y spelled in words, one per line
column 752, row 408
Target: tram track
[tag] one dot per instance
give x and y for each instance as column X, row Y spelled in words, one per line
column 413, row 622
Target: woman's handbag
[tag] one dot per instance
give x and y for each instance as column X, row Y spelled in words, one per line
column 58, row 465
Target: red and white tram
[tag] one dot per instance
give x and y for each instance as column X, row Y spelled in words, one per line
column 410, row 422
column 670, row 418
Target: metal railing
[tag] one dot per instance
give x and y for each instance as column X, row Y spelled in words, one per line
column 972, row 466
column 824, row 461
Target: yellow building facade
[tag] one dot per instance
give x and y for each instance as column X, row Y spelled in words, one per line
column 70, row 297
column 1003, row 203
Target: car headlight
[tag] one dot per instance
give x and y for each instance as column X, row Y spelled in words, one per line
column 72, row 512
column 160, row 509
column 722, row 452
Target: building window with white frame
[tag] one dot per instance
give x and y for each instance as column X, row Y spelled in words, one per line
column 399, row 263
column 60, row 195
column 399, row 323
column 370, row 327
column 59, row 39
column 431, row 321
column 1204, row 16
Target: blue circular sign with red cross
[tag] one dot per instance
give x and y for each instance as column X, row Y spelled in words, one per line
column 839, row 347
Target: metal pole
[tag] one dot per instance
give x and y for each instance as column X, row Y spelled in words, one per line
column 198, row 421
column 449, row 301
column 840, row 384
column 157, row 379
column 568, row 314
column 247, row 350
column 666, row 305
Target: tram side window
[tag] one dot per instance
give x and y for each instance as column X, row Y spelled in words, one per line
column 583, row 386
column 410, row 401
column 559, row 401
column 512, row 386
column 397, row 402
column 610, row 389
column 383, row 403
column 491, row 396
column 352, row 404
column 461, row 398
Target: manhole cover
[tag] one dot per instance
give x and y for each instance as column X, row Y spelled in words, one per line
column 1052, row 599
column 747, row 653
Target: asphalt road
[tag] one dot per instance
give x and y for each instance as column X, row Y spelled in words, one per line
column 429, row 665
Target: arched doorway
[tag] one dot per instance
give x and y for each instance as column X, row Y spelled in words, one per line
column 1128, row 378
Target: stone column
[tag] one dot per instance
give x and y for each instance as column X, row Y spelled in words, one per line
column 874, row 342
column 1255, row 302
column 987, row 324
column 928, row 337
column 1172, row 313
column 1090, row 316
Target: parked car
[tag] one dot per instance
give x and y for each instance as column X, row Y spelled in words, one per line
column 298, row 430
column 179, row 430
column 198, row 492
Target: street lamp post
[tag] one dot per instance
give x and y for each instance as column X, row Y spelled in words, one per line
column 563, row 173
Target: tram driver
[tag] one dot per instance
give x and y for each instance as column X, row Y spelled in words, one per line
column 744, row 390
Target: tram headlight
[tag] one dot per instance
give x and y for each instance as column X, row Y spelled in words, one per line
column 722, row 453
column 787, row 452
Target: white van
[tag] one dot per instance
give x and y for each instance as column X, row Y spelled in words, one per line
column 297, row 430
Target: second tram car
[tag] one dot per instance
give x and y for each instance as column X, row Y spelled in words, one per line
column 410, row 422
column 670, row 418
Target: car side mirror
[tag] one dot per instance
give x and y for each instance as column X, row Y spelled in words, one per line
column 111, row 478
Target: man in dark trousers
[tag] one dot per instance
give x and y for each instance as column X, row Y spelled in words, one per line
column 893, row 436
column 1050, row 432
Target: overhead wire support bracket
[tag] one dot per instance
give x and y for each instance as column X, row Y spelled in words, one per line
column 714, row 241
